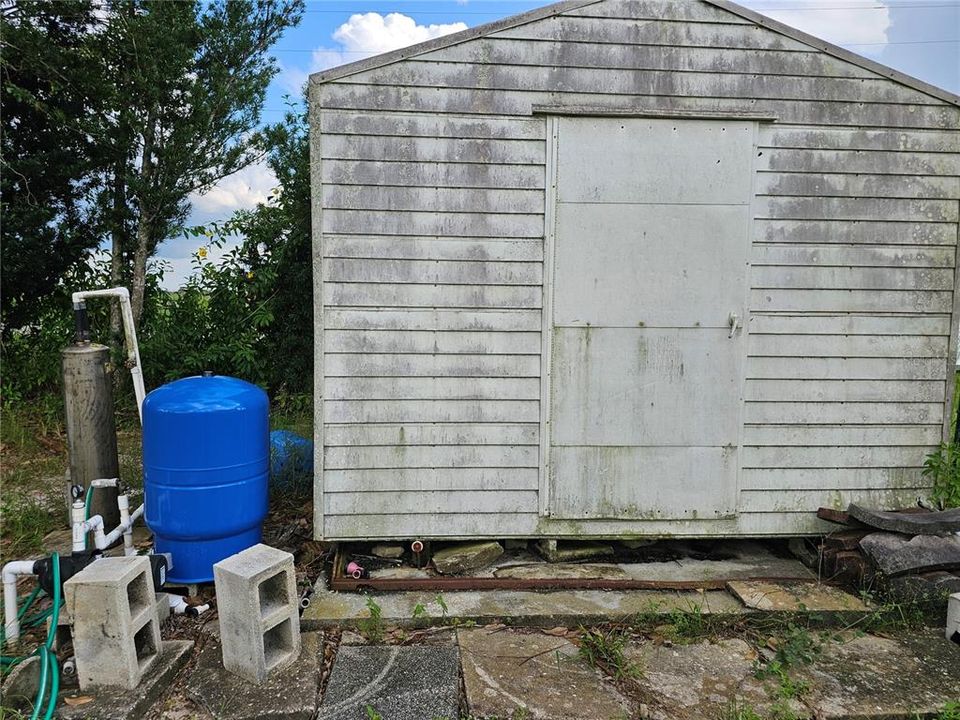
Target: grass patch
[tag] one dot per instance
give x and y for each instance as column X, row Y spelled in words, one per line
column 26, row 523
column 33, row 461
column 950, row 711
column 683, row 625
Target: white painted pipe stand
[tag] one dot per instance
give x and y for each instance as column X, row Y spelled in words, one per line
column 129, row 334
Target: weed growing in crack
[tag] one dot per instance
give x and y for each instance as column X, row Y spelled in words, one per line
column 603, row 649
column 372, row 627
column 735, row 710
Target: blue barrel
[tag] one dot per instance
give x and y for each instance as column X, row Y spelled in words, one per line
column 291, row 459
column 206, row 460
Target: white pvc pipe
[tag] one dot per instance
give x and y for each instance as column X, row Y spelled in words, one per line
column 104, row 541
column 178, row 604
column 101, row 539
column 82, row 528
column 124, row 504
column 11, row 571
column 129, row 333
column 78, row 514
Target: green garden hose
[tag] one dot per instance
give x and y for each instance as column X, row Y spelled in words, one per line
column 49, row 687
column 42, row 687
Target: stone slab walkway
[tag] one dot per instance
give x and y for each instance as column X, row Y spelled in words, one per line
column 799, row 597
column 508, row 673
column 123, row 704
column 701, row 680
column 871, row 676
column 289, row 694
column 545, row 609
column 541, row 675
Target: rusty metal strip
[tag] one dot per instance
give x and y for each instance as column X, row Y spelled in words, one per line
column 344, row 583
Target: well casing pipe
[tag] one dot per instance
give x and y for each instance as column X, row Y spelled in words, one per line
column 91, row 430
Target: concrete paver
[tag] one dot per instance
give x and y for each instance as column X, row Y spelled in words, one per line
column 287, row 694
column 701, row 680
column 796, row 597
column 396, row 682
column 875, row 677
column 509, row 674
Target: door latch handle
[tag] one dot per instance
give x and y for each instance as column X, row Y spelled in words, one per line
column 734, row 324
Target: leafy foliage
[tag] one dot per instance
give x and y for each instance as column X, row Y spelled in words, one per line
column 187, row 81
column 251, row 314
column 248, row 314
column 114, row 114
column 48, row 150
column 943, row 468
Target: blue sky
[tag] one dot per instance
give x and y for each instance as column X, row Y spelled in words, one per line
column 918, row 37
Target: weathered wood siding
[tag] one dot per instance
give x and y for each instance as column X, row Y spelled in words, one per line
column 429, row 194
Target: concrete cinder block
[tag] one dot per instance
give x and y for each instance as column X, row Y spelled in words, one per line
column 259, row 617
column 116, row 635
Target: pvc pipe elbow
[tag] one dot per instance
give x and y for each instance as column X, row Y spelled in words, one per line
column 178, row 604
column 15, row 568
column 11, row 571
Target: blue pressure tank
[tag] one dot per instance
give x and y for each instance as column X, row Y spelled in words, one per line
column 206, row 460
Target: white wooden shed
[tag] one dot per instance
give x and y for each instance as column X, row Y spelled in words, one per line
column 624, row 268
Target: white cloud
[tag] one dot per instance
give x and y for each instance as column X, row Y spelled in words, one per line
column 240, row 191
column 366, row 34
column 863, row 25
column 372, row 32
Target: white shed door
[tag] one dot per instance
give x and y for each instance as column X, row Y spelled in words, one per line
column 649, row 251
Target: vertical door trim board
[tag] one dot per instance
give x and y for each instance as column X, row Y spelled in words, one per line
column 745, row 323
column 546, row 321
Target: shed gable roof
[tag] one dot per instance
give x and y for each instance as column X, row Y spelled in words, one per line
column 559, row 8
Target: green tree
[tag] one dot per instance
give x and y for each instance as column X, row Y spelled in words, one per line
column 251, row 314
column 50, row 91
column 279, row 234
column 188, row 82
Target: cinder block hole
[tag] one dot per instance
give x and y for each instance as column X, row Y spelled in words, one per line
column 278, row 643
column 273, row 594
column 139, row 596
column 145, row 643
